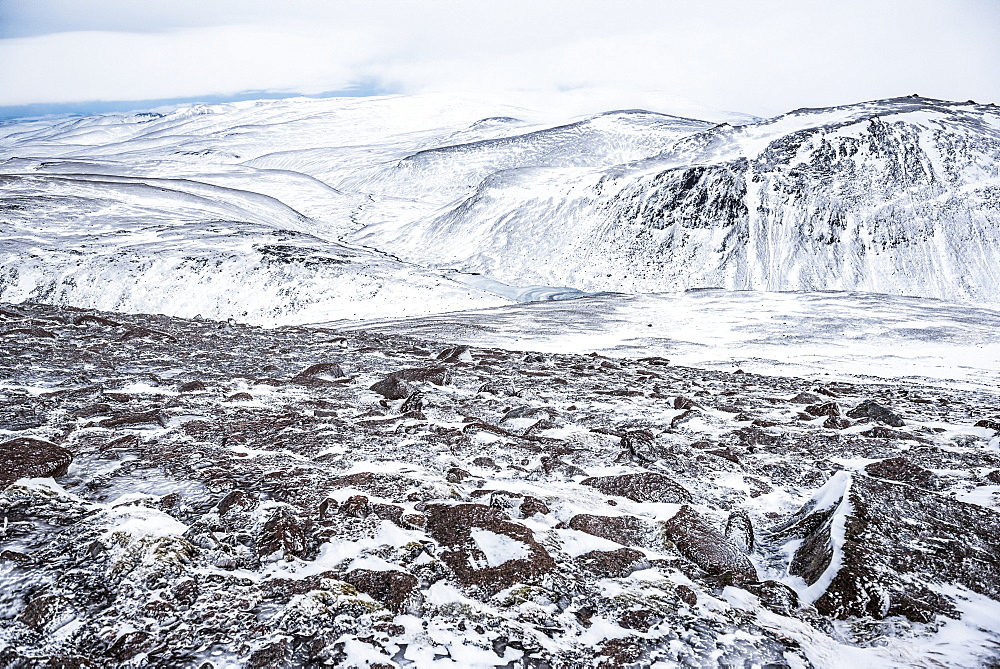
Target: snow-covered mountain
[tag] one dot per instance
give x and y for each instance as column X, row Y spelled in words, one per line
column 897, row 196
column 293, row 211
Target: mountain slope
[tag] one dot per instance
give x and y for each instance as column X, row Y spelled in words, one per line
column 898, row 196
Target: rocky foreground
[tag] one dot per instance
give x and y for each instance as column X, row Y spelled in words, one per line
column 188, row 493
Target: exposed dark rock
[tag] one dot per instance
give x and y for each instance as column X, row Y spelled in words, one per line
column 396, row 590
column 836, row 423
column 826, row 409
column 893, row 531
column 870, row 409
column 613, row 564
column 396, row 386
column 275, row 655
column 687, row 595
column 641, row 487
column 775, row 596
column 739, row 531
column 707, row 547
column 25, row 457
column 454, row 527
column 901, row 469
column 625, row 530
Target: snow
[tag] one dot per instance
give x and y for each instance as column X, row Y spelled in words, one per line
column 836, row 336
column 499, row 548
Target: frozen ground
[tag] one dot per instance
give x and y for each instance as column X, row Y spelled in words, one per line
column 827, row 336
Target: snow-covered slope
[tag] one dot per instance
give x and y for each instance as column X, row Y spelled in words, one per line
column 896, row 196
column 287, row 211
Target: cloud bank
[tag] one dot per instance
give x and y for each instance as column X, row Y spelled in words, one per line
column 758, row 57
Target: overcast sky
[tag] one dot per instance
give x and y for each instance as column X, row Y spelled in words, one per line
column 761, row 57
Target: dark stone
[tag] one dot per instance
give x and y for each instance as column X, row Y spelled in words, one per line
column 532, row 505
column 894, row 535
column 806, row 398
column 994, row 476
column 705, row 546
column 613, row 564
column 452, row 527
column 283, row 532
column 826, row 409
column 687, row 595
column 25, row 457
column 775, row 596
column 901, row 469
column 989, row 424
column 239, row 397
column 192, row 386
column 390, row 512
column 870, row 409
column 276, row 655
column 641, row 487
column 396, row 385
column 625, row 530
column 485, row 462
column 396, row 590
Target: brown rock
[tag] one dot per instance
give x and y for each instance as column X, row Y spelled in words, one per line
column 26, row 457
column 687, row 595
column 396, row 590
column 452, row 526
column 613, row 564
column 625, row 530
column 532, row 505
column 641, row 487
column 701, row 543
column 282, row 532
column 901, row 469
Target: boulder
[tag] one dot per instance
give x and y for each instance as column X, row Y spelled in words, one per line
column 26, row 457
column 705, row 546
column 865, row 545
column 484, row 548
column 624, row 530
column 875, row 411
column 396, row 386
column 641, row 487
column 396, row 590
column 613, row 564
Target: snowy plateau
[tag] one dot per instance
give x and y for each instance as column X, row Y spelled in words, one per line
column 419, row 381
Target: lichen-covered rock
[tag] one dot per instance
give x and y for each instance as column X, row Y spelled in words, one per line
column 862, row 546
column 613, row 564
column 875, row 411
column 26, row 457
column 396, row 590
column 903, row 470
column 484, row 548
column 396, row 386
column 625, row 530
column 705, row 546
column 641, row 487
